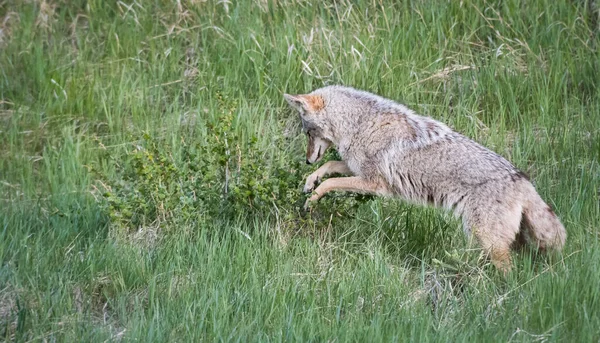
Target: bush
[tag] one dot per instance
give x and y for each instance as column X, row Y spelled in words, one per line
column 218, row 179
column 212, row 180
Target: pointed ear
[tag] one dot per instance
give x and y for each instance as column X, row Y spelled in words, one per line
column 305, row 102
column 294, row 100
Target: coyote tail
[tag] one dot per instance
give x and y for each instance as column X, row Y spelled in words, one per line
column 543, row 225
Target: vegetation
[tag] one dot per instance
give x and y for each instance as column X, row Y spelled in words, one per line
column 151, row 174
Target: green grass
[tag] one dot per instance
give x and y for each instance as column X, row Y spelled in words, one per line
column 81, row 81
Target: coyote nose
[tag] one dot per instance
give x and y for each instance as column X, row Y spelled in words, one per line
column 307, row 161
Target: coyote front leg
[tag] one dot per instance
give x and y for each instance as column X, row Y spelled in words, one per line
column 349, row 184
column 328, row 168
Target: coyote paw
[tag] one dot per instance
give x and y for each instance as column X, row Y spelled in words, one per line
column 312, row 181
column 314, row 198
column 307, row 205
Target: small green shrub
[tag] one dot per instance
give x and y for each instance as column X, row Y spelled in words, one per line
column 208, row 181
column 220, row 178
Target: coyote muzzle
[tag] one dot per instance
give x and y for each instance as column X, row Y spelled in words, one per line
column 316, row 148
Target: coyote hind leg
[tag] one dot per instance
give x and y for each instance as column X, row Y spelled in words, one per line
column 496, row 234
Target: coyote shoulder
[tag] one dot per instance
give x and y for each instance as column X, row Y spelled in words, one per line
column 389, row 150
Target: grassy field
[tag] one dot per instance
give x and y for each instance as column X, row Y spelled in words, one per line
column 150, row 172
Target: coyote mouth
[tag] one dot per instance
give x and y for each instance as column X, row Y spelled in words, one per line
column 319, row 153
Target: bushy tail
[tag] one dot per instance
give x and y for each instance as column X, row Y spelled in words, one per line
column 545, row 228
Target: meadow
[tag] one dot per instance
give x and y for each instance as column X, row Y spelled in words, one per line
column 151, row 172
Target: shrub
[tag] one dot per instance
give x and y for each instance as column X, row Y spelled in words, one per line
column 218, row 179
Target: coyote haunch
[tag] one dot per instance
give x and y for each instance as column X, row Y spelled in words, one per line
column 389, row 150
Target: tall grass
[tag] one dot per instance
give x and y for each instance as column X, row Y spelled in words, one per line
column 82, row 81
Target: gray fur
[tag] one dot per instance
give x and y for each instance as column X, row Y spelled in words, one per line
column 392, row 151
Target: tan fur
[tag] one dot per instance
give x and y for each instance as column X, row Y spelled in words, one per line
column 314, row 102
column 389, row 150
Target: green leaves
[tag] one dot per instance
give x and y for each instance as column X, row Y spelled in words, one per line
column 219, row 178
column 222, row 177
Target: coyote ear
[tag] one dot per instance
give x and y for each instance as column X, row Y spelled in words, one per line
column 294, row 101
column 305, row 102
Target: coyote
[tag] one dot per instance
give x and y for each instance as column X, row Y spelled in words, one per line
column 389, row 150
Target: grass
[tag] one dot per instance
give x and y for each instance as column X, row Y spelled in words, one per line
column 81, row 81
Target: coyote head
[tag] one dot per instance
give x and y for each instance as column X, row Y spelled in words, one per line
column 314, row 125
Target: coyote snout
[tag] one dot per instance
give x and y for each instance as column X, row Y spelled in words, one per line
column 389, row 150
column 316, row 148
